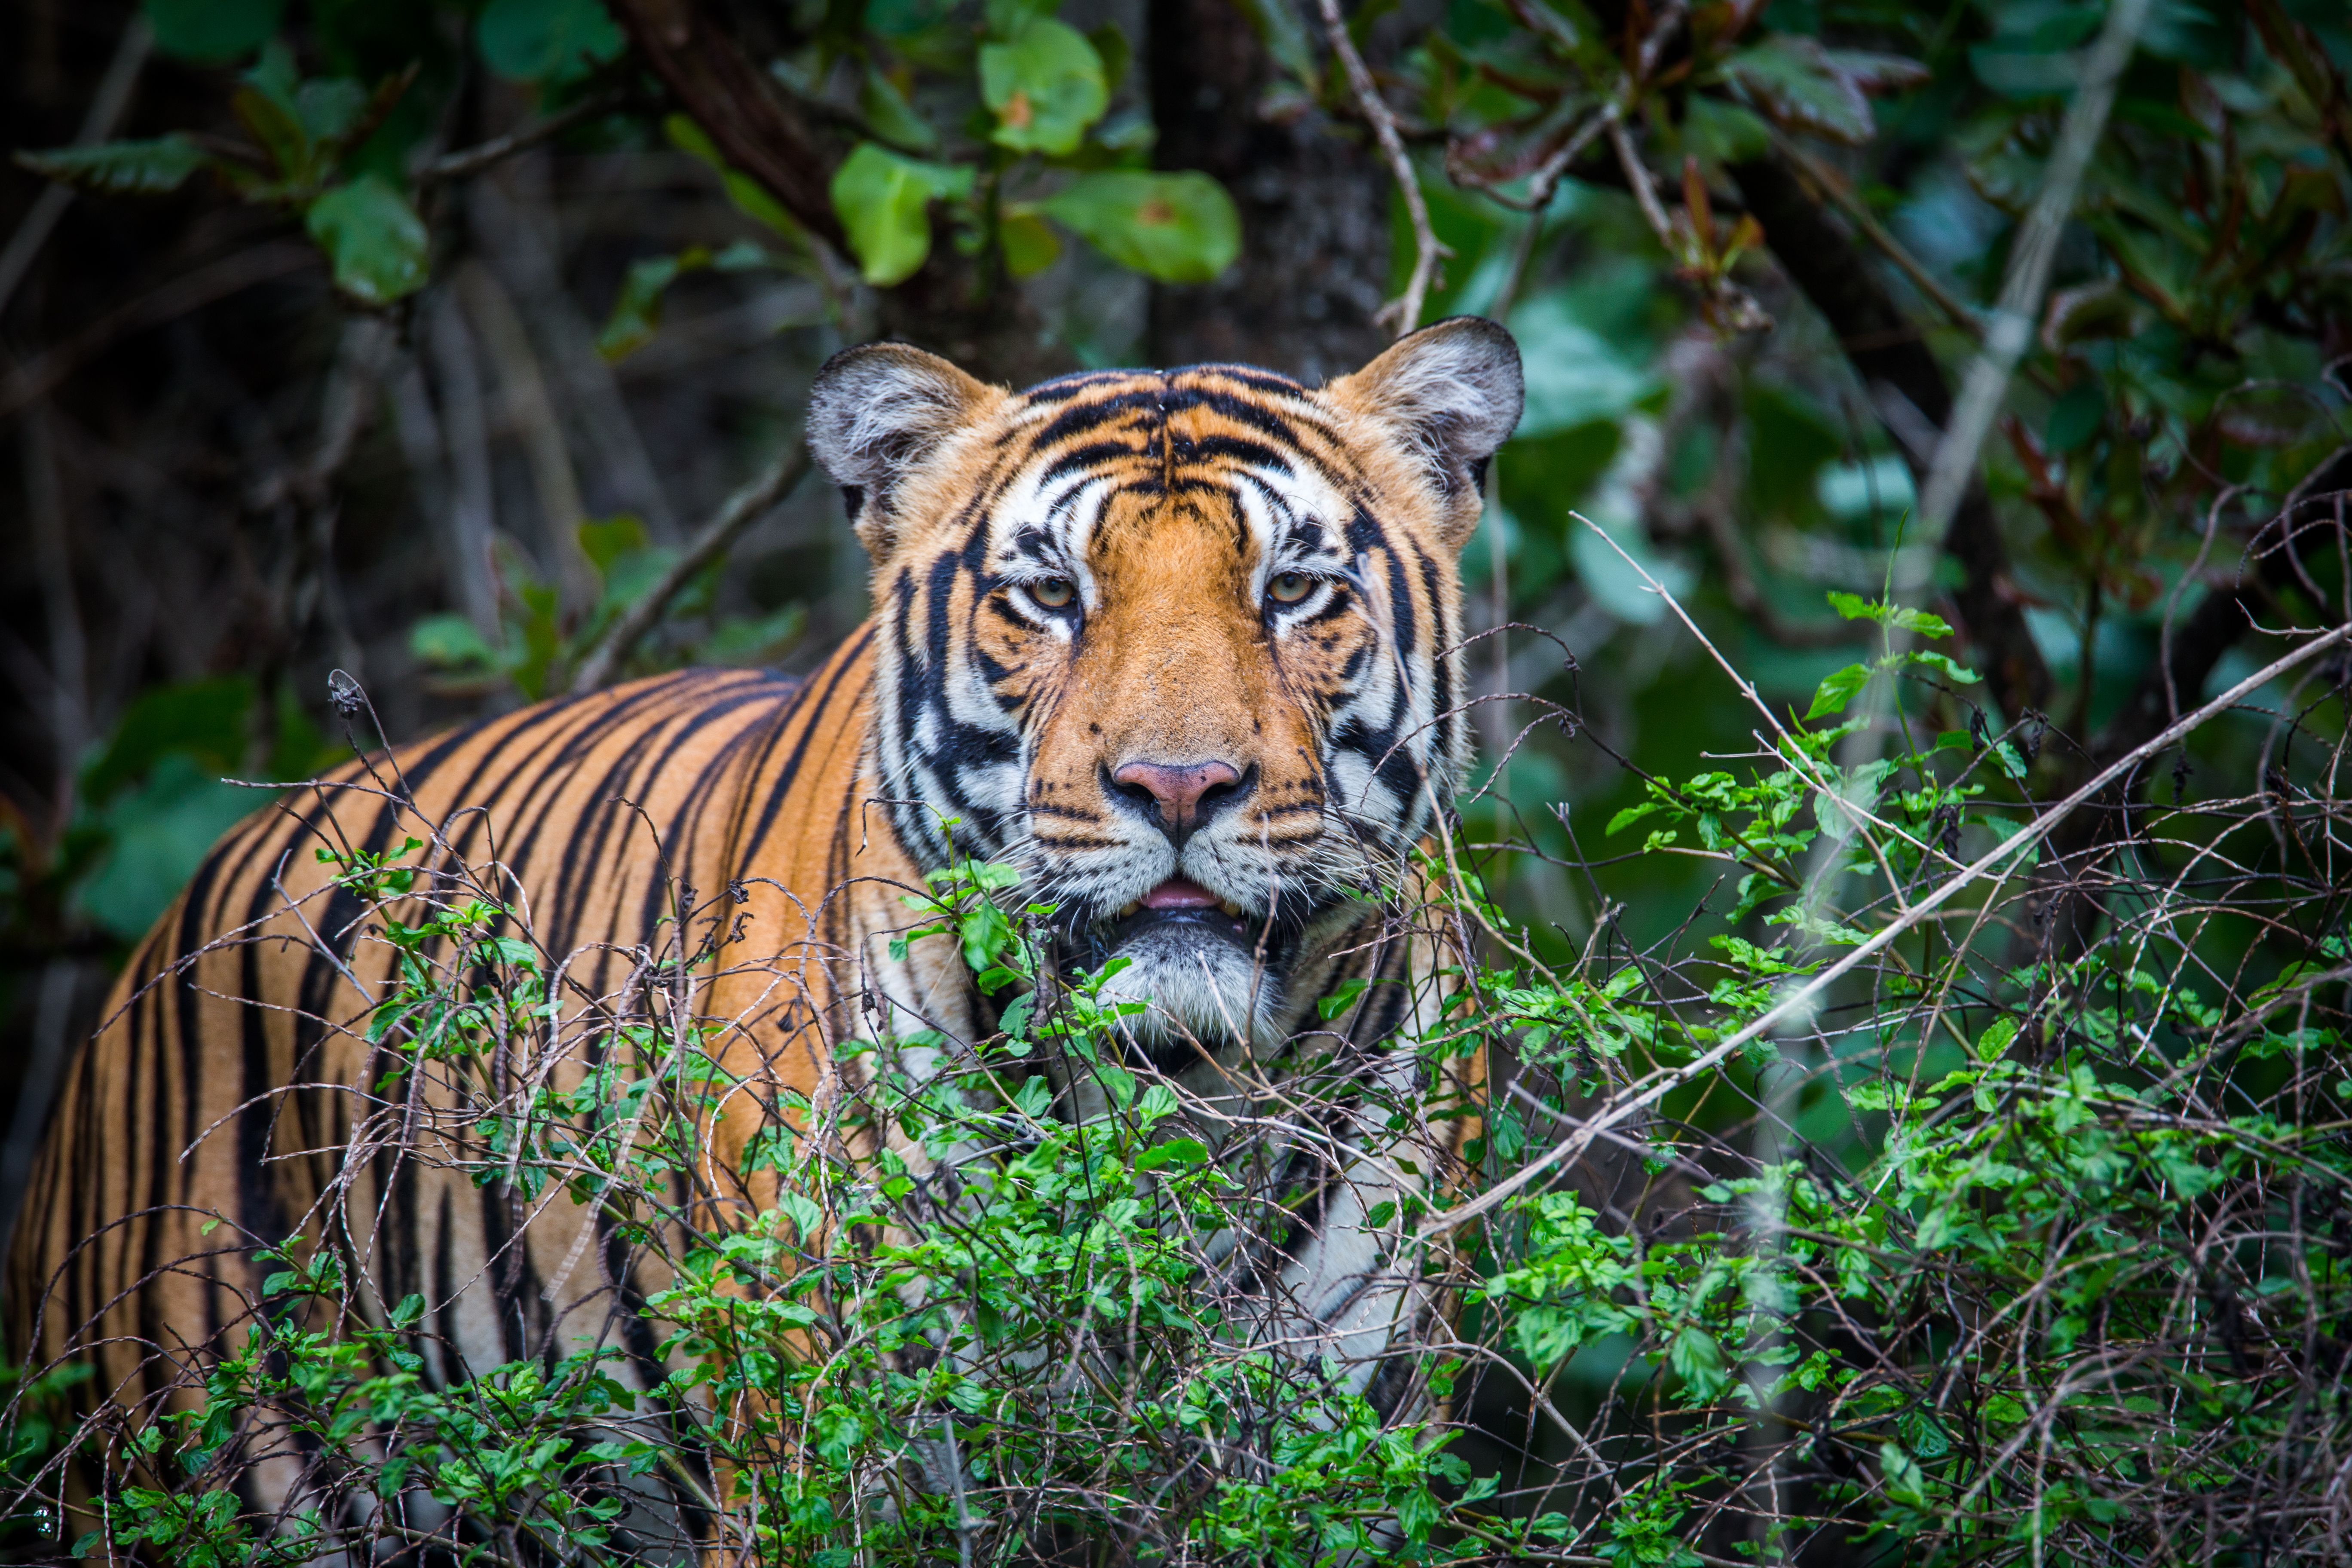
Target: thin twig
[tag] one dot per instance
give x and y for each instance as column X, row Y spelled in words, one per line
column 1404, row 313
column 1548, row 174
column 1637, row 175
column 738, row 512
column 1841, row 196
column 482, row 155
column 188, row 292
column 2030, row 257
column 2009, row 333
column 106, row 113
column 1803, row 997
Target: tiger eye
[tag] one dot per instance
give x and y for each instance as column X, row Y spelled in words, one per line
column 1053, row 593
column 1289, row 587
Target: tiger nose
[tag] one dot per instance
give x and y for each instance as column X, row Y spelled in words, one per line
column 1182, row 795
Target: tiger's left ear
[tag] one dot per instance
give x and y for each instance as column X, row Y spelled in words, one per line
column 1452, row 393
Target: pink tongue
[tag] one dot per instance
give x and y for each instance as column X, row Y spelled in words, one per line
column 1176, row 893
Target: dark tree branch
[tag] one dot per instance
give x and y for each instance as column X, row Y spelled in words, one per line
column 961, row 307
column 1885, row 347
column 738, row 512
column 747, row 115
column 1314, row 206
column 472, row 160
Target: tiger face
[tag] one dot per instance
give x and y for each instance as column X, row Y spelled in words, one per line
column 1180, row 645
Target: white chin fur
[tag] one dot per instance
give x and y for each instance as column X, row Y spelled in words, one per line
column 1194, row 984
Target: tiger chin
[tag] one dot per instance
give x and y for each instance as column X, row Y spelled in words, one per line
column 1182, row 647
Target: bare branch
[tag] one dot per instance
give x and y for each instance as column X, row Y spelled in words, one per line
column 738, row 512
column 1404, row 313
column 472, row 160
column 1800, row 1000
column 106, row 112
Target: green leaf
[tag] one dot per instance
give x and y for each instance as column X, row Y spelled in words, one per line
column 1698, row 1360
column 211, row 32
column 1031, row 246
column 887, row 110
column 1178, row 228
column 1115, row 52
column 1724, row 132
column 1175, row 1151
column 273, row 123
column 1005, row 18
column 1806, row 88
column 374, row 238
column 1837, row 690
column 605, row 539
column 545, row 40
column 750, row 198
column 2076, row 414
column 1951, row 667
column 884, row 201
column 1631, row 815
column 637, row 310
column 1035, row 1098
column 1905, row 1481
column 451, row 642
column 1855, row 607
column 122, row 168
column 330, row 109
column 1045, row 85
column 1996, row 1038
column 1278, row 28
column 753, row 639
column 153, row 837
column 802, row 1210
column 1343, row 996
column 205, row 719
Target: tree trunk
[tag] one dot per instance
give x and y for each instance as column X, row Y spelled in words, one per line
column 959, row 306
column 1314, row 206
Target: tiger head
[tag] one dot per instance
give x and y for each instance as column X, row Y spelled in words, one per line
column 1181, row 646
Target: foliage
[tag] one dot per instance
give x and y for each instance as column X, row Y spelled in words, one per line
column 2173, row 395
column 1025, row 98
column 149, row 801
column 2023, row 1241
column 541, row 644
column 303, row 132
column 2008, row 1251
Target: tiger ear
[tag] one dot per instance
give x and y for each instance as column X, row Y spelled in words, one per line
column 1452, row 393
column 876, row 414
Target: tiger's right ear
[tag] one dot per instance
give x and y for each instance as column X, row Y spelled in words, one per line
column 876, row 414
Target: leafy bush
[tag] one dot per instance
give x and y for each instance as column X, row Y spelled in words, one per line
column 1859, row 1217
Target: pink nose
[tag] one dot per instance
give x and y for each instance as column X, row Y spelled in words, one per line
column 1177, row 791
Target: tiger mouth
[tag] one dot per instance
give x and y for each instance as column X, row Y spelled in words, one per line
column 1178, row 901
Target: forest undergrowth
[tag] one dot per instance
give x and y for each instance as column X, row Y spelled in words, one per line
column 1924, row 1195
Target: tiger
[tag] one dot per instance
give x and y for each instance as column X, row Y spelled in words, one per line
column 1182, row 648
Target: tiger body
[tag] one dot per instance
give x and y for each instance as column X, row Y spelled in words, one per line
column 1178, row 646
